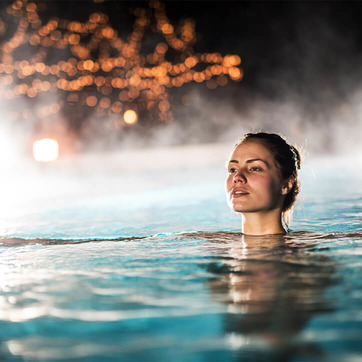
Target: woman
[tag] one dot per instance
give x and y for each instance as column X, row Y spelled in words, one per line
column 262, row 182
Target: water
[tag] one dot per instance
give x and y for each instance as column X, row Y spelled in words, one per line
column 160, row 272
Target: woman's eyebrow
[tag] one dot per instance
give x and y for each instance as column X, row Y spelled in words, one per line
column 257, row 159
column 250, row 161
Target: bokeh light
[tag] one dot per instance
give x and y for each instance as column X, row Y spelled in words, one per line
column 130, row 116
column 90, row 69
column 45, row 150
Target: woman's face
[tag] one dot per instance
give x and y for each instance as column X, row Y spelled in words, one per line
column 253, row 183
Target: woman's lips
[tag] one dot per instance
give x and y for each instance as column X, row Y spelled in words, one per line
column 239, row 193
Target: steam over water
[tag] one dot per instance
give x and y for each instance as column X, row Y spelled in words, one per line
column 144, row 192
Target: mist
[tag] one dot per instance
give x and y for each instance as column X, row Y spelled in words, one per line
column 301, row 79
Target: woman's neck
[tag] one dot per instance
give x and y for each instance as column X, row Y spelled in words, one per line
column 262, row 223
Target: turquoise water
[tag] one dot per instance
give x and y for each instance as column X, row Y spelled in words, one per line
column 177, row 281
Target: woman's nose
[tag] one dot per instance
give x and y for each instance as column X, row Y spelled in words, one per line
column 239, row 177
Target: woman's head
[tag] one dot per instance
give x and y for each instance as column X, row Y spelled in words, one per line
column 264, row 158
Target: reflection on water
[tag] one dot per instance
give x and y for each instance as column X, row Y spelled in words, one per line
column 173, row 297
column 272, row 286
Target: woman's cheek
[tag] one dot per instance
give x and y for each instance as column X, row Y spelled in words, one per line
column 267, row 186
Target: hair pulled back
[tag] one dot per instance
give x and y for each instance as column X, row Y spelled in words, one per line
column 287, row 159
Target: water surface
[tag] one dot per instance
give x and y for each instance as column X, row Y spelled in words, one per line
column 162, row 273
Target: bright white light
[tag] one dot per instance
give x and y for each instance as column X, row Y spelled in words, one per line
column 45, row 150
column 130, row 116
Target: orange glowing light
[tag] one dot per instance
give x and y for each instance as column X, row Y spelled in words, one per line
column 117, row 107
column 45, row 150
column 99, row 81
column 88, row 64
column 91, row 101
column 164, row 106
column 190, row 62
column 133, row 93
column 235, row 73
column 123, row 96
column 105, row 102
column 130, row 116
column 161, row 48
column 97, row 61
column 31, row 7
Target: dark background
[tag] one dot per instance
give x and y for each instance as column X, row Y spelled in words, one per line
column 306, row 55
column 311, row 48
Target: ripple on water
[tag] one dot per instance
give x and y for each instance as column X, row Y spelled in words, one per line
column 132, row 297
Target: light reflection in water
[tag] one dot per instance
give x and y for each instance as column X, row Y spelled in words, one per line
column 274, row 287
column 252, row 296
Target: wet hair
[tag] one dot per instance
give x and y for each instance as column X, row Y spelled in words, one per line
column 287, row 159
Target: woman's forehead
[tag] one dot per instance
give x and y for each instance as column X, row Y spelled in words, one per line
column 251, row 150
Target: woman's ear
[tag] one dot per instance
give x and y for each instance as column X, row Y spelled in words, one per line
column 288, row 185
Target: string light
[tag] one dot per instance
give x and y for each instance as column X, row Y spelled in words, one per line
column 100, row 71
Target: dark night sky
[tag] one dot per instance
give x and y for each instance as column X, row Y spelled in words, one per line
column 304, row 47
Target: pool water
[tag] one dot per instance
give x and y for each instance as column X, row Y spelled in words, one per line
column 158, row 271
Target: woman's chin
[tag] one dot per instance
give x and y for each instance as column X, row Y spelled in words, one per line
column 236, row 207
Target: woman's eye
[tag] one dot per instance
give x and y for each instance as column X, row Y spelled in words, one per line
column 232, row 170
column 255, row 169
